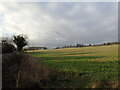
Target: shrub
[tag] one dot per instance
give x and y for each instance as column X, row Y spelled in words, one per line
column 22, row 71
column 7, row 48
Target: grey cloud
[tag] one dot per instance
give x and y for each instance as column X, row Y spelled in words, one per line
column 57, row 24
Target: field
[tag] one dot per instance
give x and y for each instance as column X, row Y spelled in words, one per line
column 82, row 67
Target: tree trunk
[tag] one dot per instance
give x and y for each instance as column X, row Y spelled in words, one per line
column 19, row 49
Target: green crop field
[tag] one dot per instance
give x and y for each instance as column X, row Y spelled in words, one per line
column 82, row 67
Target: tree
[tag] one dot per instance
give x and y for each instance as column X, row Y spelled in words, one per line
column 20, row 41
column 78, row 45
column 104, row 43
column 108, row 43
column 90, row 45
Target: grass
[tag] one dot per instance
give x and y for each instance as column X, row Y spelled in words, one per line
column 82, row 66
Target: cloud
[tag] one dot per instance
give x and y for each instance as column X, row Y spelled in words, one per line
column 58, row 24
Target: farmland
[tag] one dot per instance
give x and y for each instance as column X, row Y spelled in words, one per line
column 82, row 67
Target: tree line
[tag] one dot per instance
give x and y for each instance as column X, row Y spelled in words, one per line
column 83, row 45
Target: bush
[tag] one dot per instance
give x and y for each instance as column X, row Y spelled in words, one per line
column 19, row 70
column 7, row 48
column 22, row 71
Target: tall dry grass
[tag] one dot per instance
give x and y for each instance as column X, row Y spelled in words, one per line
column 20, row 70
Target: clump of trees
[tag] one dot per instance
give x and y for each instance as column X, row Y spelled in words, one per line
column 19, row 40
column 72, row 46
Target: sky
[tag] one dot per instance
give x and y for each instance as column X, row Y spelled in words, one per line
column 53, row 24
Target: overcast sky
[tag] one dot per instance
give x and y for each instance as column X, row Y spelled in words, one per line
column 58, row 24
